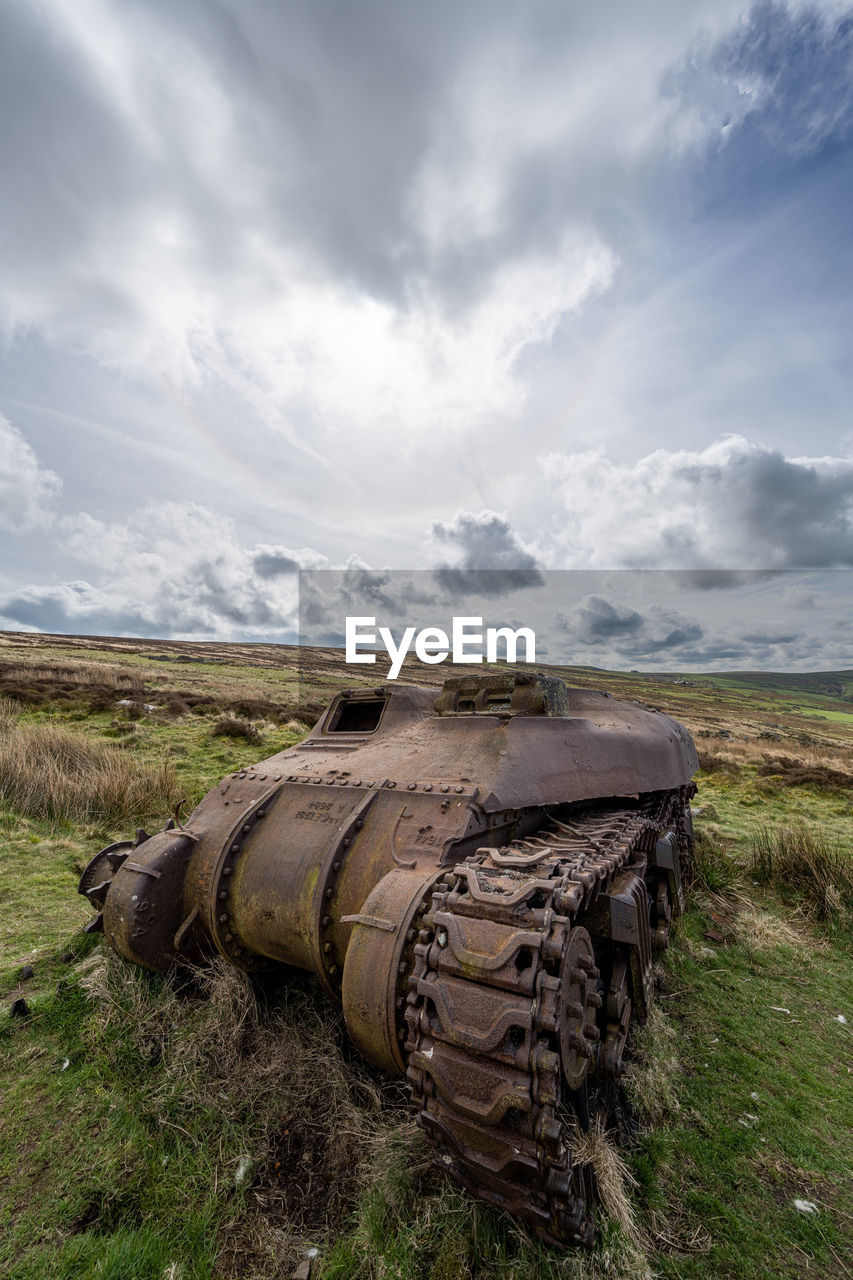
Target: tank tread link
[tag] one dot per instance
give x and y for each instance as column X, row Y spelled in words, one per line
column 480, row 878
column 501, row 1067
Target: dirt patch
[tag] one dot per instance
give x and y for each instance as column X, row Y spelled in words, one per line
column 107, row 1211
column 307, row 1179
column 786, row 1182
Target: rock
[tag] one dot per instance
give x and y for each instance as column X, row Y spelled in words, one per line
column 303, row 1271
column 26, row 972
column 19, row 1008
column 67, row 957
column 805, row 1206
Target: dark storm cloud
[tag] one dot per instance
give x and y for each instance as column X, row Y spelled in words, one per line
column 799, row 513
column 611, row 628
column 64, row 610
column 394, row 598
column 597, row 619
column 269, row 564
column 200, row 605
column 485, row 582
column 305, row 102
column 771, row 637
column 719, row 579
column 482, row 555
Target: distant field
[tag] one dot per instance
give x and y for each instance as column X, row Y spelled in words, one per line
column 219, row 1132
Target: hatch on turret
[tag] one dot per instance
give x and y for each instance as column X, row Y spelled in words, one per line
column 503, row 693
column 357, row 715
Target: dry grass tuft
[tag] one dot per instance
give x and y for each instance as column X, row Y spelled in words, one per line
column 9, row 712
column 792, row 771
column 51, row 772
column 107, row 675
column 714, row 870
column 616, row 1259
column 295, row 726
column 613, row 1178
column 652, row 1076
column 714, row 762
column 804, row 865
column 759, row 931
column 316, row 1131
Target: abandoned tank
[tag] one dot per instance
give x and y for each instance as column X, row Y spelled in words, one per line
column 481, row 878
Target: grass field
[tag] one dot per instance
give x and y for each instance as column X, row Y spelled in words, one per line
column 224, row 1128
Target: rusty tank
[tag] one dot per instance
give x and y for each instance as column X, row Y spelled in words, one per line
column 481, row 876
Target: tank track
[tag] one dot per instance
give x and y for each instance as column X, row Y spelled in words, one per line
column 529, row 963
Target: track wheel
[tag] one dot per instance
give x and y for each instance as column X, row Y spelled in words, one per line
column 663, row 914
column 579, row 1002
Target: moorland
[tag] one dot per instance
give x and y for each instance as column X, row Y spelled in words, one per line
column 225, row 1128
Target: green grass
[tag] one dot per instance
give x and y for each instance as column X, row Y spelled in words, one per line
column 734, row 807
column 125, row 1161
column 727, row 1179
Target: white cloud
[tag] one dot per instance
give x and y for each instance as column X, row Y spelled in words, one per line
column 735, row 504
column 173, row 569
column 28, row 493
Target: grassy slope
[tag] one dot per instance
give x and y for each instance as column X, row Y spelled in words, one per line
column 127, row 1160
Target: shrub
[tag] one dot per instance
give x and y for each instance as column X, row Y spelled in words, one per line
column 789, row 772
column 712, row 763
column 230, row 726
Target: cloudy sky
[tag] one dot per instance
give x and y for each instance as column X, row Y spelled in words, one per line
column 490, row 285
column 639, row 619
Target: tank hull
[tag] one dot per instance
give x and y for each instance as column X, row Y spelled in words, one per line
column 480, row 879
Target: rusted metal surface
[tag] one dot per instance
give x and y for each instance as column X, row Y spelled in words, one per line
column 481, row 878
column 517, row 1006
